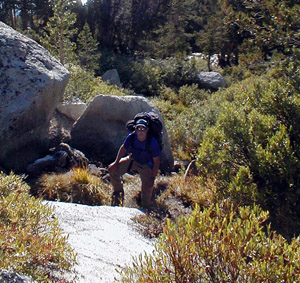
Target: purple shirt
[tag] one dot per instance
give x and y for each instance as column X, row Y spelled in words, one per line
column 142, row 152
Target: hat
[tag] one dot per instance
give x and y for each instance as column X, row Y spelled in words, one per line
column 142, row 123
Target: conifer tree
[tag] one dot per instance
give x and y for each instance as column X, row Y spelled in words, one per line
column 59, row 33
column 8, row 12
column 172, row 36
column 88, row 49
column 209, row 39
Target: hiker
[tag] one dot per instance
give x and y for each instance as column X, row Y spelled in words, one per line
column 144, row 154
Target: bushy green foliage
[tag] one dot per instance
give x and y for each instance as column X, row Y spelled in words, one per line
column 87, row 49
column 257, row 131
column 149, row 76
column 187, row 114
column 59, row 32
column 220, row 244
column 84, row 86
column 31, row 241
column 236, row 73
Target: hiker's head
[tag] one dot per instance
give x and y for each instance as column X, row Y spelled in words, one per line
column 141, row 123
column 141, row 128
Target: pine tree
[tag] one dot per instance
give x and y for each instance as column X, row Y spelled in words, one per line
column 87, row 49
column 8, row 12
column 173, row 39
column 59, row 33
column 209, row 38
column 207, row 28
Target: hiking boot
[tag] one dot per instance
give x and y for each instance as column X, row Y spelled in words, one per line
column 117, row 198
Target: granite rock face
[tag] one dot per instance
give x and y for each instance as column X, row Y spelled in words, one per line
column 72, row 110
column 32, row 83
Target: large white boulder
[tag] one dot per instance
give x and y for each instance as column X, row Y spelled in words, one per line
column 32, row 83
column 101, row 129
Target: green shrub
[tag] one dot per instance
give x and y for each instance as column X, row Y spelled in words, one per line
column 220, row 244
column 257, row 129
column 149, row 76
column 191, row 94
column 168, row 94
column 236, row 73
column 31, row 242
column 186, row 123
column 84, row 86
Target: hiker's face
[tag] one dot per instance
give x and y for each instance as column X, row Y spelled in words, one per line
column 141, row 133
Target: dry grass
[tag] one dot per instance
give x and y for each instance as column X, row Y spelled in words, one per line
column 76, row 186
column 174, row 196
column 192, row 190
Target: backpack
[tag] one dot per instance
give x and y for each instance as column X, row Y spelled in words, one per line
column 155, row 126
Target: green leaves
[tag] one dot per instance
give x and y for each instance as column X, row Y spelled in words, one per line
column 253, row 149
column 87, row 49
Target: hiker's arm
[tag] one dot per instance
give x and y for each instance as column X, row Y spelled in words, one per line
column 121, row 153
column 155, row 166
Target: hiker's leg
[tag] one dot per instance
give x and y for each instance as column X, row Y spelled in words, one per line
column 117, row 172
column 147, row 184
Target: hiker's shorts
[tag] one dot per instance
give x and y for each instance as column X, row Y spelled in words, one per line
column 126, row 165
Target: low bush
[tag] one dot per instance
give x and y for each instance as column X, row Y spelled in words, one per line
column 84, row 86
column 218, row 244
column 187, row 118
column 150, row 76
column 31, row 242
column 253, row 148
column 77, row 186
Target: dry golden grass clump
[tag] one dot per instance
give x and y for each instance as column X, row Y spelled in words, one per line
column 175, row 196
column 76, row 186
column 192, row 191
column 31, row 242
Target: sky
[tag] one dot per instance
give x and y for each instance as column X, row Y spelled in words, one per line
column 83, row 2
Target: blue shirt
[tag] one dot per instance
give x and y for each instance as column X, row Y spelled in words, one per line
column 142, row 152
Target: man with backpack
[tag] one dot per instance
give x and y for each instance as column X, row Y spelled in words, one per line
column 139, row 152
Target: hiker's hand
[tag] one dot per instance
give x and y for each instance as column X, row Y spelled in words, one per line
column 112, row 166
column 155, row 166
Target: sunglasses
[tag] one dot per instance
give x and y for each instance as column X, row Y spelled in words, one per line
column 141, row 129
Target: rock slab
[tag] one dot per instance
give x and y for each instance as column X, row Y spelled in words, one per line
column 32, row 83
column 104, row 238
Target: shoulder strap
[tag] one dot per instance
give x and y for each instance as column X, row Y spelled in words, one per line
column 132, row 139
